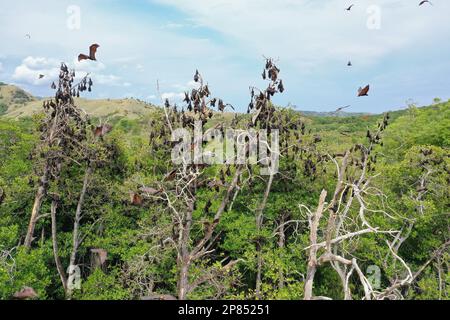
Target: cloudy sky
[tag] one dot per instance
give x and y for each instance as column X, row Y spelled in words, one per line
column 400, row 49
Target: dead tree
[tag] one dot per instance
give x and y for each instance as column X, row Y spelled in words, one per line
column 179, row 191
column 93, row 156
column 62, row 129
column 264, row 116
column 346, row 220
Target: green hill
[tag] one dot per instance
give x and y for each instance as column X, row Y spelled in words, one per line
column 16, row 103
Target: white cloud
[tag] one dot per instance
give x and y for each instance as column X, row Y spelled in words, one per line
column 32, row 67
column 173, row 96
column 311, row 38
column 105, row 79
column 308, row 33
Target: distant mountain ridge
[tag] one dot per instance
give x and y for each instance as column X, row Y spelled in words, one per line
column 341, row 114
column 17, row 103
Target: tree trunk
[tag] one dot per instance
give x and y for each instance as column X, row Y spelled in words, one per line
column 281, row 244
column 59, row 266
column 259, row 224
column 40, row 194
column 312, row 263
column 183, row 282
column 76, row 223
column 184, row 256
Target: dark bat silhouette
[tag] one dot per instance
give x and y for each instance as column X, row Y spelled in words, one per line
column 342, row 108
column 363, row 92
column 41, row 76
column 222, row 106
column 424, row 1
column 349, row 64
column 350, row 8
column 92, row 51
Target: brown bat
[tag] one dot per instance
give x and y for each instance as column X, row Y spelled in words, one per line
column 102, row 254
column 102, row 130
column 25, row 293
column 171, row 175
column 363, row 92
column 136, row 199
column 92, row 51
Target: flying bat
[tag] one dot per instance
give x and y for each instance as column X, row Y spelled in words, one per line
column 92, row 51
column 350, row 8
column 222, row 106
column 363, row 92
column 41, row 76
column 349, row 64
column 425, row 1
column 342, row 108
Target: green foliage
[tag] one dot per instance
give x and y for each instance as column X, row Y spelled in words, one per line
column 3, row 108
column 101, row 286
column 138, row 263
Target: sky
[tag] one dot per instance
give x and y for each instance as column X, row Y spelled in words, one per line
column 400, row 49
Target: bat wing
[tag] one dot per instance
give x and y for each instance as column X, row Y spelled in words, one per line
column 93, row 50
column 83, row 57
column 366, row 90
column 98, row 131
column 363, row 91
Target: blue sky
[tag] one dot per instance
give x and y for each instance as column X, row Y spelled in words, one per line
column 141, row 41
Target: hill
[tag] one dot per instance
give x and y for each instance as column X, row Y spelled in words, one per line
column 12, row 97
column 16, row 103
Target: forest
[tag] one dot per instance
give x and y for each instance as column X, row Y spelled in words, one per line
column 93, row 208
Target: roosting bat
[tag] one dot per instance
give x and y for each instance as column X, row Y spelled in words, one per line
column 92, row 51
column 102, row 130
column 136, row 199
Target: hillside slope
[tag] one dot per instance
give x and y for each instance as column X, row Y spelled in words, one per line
column 16, row 103
column 12, row 97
